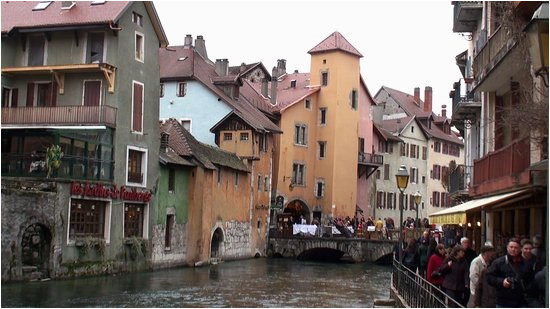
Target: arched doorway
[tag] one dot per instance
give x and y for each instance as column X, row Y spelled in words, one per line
column 298, row 208
column 35, row 248
column 216, row 245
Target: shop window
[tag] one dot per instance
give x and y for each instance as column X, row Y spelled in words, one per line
column 134, row 215
column 87, row 218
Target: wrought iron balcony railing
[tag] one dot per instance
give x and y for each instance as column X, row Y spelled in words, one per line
column 370, row 158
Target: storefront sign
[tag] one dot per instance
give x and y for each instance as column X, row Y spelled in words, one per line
column 455, row 218
column 98, row 190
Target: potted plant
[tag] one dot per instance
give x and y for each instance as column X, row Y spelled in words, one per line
column 53, row 158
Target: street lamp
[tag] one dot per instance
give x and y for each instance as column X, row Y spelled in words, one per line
column 417, row 200
column 537, row 31
column 402, row 178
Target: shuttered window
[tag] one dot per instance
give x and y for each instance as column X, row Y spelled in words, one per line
column 137, row 108
column 92, row 90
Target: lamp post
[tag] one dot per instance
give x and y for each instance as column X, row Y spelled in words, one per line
column 417, row 200
column 537, row 31
column 402, row 178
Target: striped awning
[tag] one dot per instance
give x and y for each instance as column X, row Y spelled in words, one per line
column 457, row 214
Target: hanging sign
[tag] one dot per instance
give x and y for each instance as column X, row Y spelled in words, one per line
column 98, row 190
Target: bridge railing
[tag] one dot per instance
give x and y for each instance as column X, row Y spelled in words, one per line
column 417, row 292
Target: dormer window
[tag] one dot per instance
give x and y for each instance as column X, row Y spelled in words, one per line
column 293, row 83
column 42, row 5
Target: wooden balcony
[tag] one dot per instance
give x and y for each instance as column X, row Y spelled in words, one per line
column 502, row 169
column 368, row 163
column 59, row 116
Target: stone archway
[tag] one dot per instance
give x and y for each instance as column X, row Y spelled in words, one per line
column 35, row 250
column 216, row 244
column 298, row 208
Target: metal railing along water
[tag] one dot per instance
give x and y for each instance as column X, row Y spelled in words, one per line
column 417, row 292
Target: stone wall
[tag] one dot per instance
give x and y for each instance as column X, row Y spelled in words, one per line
column 236, row 240
column 162, row 258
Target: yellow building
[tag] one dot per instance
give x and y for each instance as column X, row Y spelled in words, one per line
column 317, row 153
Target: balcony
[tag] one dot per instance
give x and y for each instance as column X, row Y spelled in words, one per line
column 368, row 163
column 72, row 167
column 465, row 108
column 496, row 61
column 459, row 179
column 502, row 169
column 58, row 116
column 466, row 15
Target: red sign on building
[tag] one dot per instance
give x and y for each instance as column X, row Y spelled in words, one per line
column 98, row 190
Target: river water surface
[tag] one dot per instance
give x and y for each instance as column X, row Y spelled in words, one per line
column 249, row 283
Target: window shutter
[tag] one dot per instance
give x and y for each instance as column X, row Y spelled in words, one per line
column 14, row 96
column 30, row 94
column 137, row 112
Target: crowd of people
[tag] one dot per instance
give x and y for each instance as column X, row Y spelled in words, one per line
column 516, row 278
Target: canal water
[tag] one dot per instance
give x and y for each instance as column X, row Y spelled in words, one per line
column 250, row 283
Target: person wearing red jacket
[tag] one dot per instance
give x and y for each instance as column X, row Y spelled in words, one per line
column 434, row 263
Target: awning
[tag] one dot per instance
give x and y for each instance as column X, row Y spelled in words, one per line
column 457, row 214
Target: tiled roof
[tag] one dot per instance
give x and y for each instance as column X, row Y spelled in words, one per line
column 228, row 79
column 396, row 125
column 236, row 70
column 171, row 157
column 249, row 93
column 335, row 41
column 286, row 95
column 184, row 144
column 183, row 63
column 20, row 15
column 385, row 134
column 406, row 101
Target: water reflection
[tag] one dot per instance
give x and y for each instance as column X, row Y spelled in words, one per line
column 250, row 283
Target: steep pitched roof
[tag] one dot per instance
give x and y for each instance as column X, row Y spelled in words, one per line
column 20, row 16
column 252, row 95
column 407, row 103
column 385, row 134
column 436, row 132
column 335, row 41
column 246, row 68
column 180, row 63
column 171, row 157
column 396, row 125
column 184, row 144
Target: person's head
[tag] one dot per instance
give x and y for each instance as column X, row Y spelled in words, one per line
column 411, row 243
column 526, row 247
column 458, row 252
column 514, row 247
column 465, row 242
column 487, row 252
column 426, row 234
column 440, row 249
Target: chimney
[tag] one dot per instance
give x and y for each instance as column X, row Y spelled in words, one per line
column 444, row 110
column 164, row 138
column 188, row 41
column 200, row 47
column 221, row 67
column 417, row 96
column 242, row 68
column 281, row 67
column 428, row 99
column 264, row 87
column 296, row 72
column 274, row 82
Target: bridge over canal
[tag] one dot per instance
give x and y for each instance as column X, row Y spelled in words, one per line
column 352, row 249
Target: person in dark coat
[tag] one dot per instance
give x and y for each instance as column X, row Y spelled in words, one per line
column 411, row 258
column 455, row 271
column 469, row 253
column 511, row 277
column 485, row 293
column 423, row 249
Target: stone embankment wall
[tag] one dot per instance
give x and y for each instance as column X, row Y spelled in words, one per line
column 163, row 258
column 237, row 240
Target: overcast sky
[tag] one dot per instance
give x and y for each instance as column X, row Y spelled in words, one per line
column 404, row 44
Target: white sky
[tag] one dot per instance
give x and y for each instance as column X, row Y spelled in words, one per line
column 404, row 44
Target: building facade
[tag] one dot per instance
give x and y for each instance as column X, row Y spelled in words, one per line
column 79, row 136
column 504, row 112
